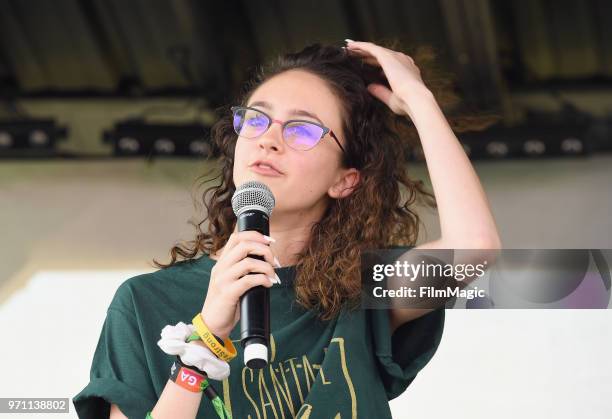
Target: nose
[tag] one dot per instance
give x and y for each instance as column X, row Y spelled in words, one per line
column 273, row 137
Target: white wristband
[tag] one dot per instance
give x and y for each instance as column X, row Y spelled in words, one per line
column 173, row 342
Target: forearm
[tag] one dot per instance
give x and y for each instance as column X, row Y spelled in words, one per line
column 465, row 216
column 176, row 402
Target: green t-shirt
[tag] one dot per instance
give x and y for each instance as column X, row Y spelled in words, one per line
column 348, row 367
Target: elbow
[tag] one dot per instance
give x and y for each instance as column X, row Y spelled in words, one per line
column 490, row 247
column 491, row 241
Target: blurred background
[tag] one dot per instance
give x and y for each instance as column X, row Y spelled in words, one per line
column 105, row 111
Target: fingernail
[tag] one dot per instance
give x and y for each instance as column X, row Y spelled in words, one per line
column 270, row 239
column 272, row 280
column 277, row 278
column 349, row 40
column 277, row 262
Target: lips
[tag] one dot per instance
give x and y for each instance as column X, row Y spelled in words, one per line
column 265, row 165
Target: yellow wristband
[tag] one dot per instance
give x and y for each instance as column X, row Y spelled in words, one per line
column 226, row 353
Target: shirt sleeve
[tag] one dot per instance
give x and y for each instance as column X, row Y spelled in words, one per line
column 119, row 372
column 402, row 355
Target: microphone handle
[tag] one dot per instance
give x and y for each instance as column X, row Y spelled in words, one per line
column 255, row 302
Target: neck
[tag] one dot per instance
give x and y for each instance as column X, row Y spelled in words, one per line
column 290, row 241
column 291, row 230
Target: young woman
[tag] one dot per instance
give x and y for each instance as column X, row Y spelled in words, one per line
column 319, row 128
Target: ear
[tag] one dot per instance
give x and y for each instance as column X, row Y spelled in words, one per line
column 345, row 185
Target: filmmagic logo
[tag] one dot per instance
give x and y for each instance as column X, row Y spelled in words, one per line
column 430, row 292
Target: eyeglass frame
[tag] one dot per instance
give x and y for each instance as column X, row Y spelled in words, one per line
column 283, row 124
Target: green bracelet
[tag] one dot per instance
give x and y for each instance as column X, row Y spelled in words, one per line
column 149, row 416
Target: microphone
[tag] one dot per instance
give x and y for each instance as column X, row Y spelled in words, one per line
column 253, row 203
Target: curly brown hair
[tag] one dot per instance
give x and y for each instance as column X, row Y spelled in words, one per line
column 381, row 207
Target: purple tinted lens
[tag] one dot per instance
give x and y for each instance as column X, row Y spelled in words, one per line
column 302, row 135
column 238, row 118
column 250, row 123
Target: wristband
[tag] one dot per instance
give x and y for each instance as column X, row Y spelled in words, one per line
column 208, row 390
column 188, row 378
column 225, row 353
column 195, row 336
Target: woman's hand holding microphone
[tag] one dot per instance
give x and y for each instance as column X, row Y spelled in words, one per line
column 233, row 275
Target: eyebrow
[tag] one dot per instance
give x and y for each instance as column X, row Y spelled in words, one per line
column 299, row 112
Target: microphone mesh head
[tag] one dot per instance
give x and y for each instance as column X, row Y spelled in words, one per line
column 253, row 195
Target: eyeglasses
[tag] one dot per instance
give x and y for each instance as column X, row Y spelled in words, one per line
column 298, row 134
